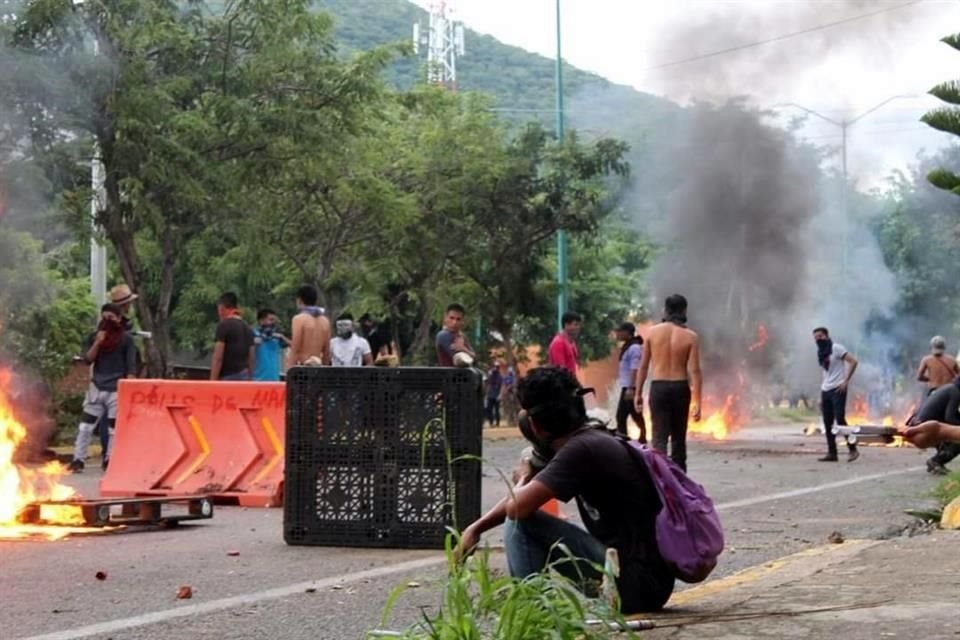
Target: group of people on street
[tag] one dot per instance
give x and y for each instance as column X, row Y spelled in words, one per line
column 242, row 352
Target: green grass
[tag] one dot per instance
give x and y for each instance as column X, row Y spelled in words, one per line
column 948, row 489
column 477, row 603
column 786, row 414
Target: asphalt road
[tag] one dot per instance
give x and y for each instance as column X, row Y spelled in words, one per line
column 774, row 499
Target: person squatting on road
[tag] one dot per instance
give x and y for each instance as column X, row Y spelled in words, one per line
column 838, row 366
column 113, row 355
column 937, row 369
column 616, row 497
column 630, row 355
column 671, row 357
column 943, row 405
column 932, row 433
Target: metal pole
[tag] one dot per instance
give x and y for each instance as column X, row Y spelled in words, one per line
column 98, row 251
column 561, row 235
column 844, row 201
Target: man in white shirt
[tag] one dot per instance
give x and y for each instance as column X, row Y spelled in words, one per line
column 838, row 366
column 348, row 349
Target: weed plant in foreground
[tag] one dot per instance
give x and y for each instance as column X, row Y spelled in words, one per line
column 477, row 604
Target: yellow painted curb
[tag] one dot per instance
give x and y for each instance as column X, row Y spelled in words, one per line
column 826, row 555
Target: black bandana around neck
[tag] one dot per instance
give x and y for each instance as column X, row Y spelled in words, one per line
column 824, row 350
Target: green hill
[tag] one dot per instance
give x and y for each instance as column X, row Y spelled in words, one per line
column 516, row 78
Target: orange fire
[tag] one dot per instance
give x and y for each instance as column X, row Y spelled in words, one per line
column 20, row 486
column 719, row 423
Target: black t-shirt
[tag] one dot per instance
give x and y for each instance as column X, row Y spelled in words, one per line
column 942, row 405
column 237, row 339
column 618, row 504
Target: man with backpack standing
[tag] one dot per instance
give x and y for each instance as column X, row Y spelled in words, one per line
column 617, row 498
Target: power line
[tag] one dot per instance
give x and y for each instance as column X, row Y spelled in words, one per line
column 784, row 36
column 874, row 132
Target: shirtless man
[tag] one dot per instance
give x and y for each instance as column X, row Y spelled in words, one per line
column 937, row 369
column 674, row 352
column 310, row 343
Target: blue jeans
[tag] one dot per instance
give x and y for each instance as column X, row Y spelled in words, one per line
column 642, row 586
column 242, row 376
column 530, row 546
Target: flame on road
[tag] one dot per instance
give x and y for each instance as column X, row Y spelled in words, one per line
column 21, row 486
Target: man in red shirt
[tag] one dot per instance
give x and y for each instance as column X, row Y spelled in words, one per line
column 563, row 351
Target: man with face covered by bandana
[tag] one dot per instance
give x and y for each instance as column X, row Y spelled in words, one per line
column 838, row 366
column 348, row 349
column 113, row 355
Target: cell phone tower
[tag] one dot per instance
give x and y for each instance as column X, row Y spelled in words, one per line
column 444, row 43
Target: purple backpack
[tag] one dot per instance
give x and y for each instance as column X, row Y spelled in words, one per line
column 688, row 528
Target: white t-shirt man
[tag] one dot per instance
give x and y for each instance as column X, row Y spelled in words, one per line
column 836, row 372
column 349, row 352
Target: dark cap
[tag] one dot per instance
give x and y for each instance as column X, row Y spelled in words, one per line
column 628, row 327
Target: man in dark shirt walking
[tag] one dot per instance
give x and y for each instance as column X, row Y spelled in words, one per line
column 234, row 351
column 943, row 405
column 111, row 352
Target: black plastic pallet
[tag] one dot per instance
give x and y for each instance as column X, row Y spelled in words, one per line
column 381, row 457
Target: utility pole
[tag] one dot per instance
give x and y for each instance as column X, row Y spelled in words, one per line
column 444, row 42
column 561, row 235
column 98, row 251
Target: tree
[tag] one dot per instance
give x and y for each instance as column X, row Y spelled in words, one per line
column 44, row 317
column 184, row 107
column 539, row 188
column 946, row 119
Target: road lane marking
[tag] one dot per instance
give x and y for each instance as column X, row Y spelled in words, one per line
column 213, row 606
column 422, row 563
column 795, row 493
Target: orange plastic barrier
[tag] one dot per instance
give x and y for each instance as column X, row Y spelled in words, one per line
column 224, row 439
column 552, row 507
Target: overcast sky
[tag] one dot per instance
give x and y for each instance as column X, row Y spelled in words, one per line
column 879, row 49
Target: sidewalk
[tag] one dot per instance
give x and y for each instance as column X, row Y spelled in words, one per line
column 900, row 588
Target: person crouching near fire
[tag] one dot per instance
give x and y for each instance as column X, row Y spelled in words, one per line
column 113, row 355
column 617, row 499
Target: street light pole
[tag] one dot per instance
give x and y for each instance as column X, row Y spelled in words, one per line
column 561, row 235
column 844, row 125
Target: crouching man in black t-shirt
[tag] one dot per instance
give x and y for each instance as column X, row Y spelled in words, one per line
column 615, row 495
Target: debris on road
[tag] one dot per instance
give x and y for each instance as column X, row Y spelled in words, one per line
column 310, row 590
column 233, row 553
column 101, row 575
column 836, row 538
column 413, row 585
column 184, row 593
